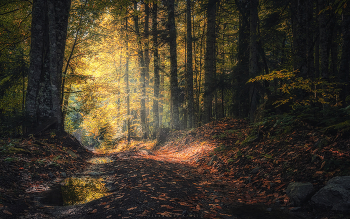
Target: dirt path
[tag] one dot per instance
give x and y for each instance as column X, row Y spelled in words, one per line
column 141, row 188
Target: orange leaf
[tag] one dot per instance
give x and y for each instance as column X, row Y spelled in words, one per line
column 129, row 209
column 166, row 206
column 7, row 212
column 93, row 211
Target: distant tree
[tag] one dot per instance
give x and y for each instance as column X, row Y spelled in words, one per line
column 253, row 57
column 189, row 76
column 209, row 84
column 156, row 69
column 174, row 89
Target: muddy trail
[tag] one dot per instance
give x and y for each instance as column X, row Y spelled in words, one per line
column 138, row 187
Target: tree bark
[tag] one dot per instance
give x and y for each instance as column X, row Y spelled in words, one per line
column 156, row 69
column 325, row 36
column 49, row 30
column 344, row 70
column 189, row 75
column 209, row 81
column 55, row 76
column 147, row 62
column 299, row 30
column 173, row 65
column 143, row 73
column 253, row 57
column 241, row 75
column 36, row 60
column 128, row 119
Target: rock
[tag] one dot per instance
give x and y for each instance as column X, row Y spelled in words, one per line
column 335, row 195
column 255, row 170
column 299, row 192
column 213, row 158
column 51, row 175
column 63, row 174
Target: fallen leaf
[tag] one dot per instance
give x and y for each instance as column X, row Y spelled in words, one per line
column 218, row 207
column 166, row 206
column 7, row 212
column 166, row 214
column 93, row 211
column 129, row 209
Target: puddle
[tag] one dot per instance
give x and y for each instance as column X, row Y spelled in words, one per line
column 82, row 190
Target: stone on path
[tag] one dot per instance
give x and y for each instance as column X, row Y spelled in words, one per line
column 335, row 195
column 299, row 192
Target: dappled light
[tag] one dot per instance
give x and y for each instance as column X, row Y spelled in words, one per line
column 100, row 160
column 175, row 109
column 82, row 190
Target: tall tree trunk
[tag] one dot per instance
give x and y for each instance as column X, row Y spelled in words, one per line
column 156, row 69
column 325, row 36
column 189, row 67
column 55, row 76
column 49, row 30
column 317, row 45
column 209, row 81
column 128, row 119
column 299, row 29
column 173, row 65
column 36, row 61
column 241, row 75
column 253, row 57
column 161, row 89
column 143, row 73
column 147, row 61
column 344, row 70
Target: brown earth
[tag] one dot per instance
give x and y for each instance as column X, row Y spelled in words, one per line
column 246, row 180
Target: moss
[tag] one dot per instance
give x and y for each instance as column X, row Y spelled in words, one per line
column 14, row 150
column 82, row 190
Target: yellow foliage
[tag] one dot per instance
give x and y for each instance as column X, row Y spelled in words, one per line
column 315, row 90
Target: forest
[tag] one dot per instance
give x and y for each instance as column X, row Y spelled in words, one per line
column 112, row 70
column 168, row 108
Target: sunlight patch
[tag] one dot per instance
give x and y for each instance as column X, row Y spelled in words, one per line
column 82, row 190
column 100, row 160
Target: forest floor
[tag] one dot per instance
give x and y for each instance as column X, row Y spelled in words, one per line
column 220, row 170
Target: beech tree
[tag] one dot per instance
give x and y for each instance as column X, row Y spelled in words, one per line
column 48, row 38
column 174, row 89
column 209, row 85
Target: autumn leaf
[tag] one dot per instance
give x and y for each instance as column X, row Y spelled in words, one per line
column 167, row 206
column 130, row 209
column 165, row 214
column 7, row 212
column 93, row 211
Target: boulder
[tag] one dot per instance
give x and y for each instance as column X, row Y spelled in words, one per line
column 299, row 192
column 335, row 195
